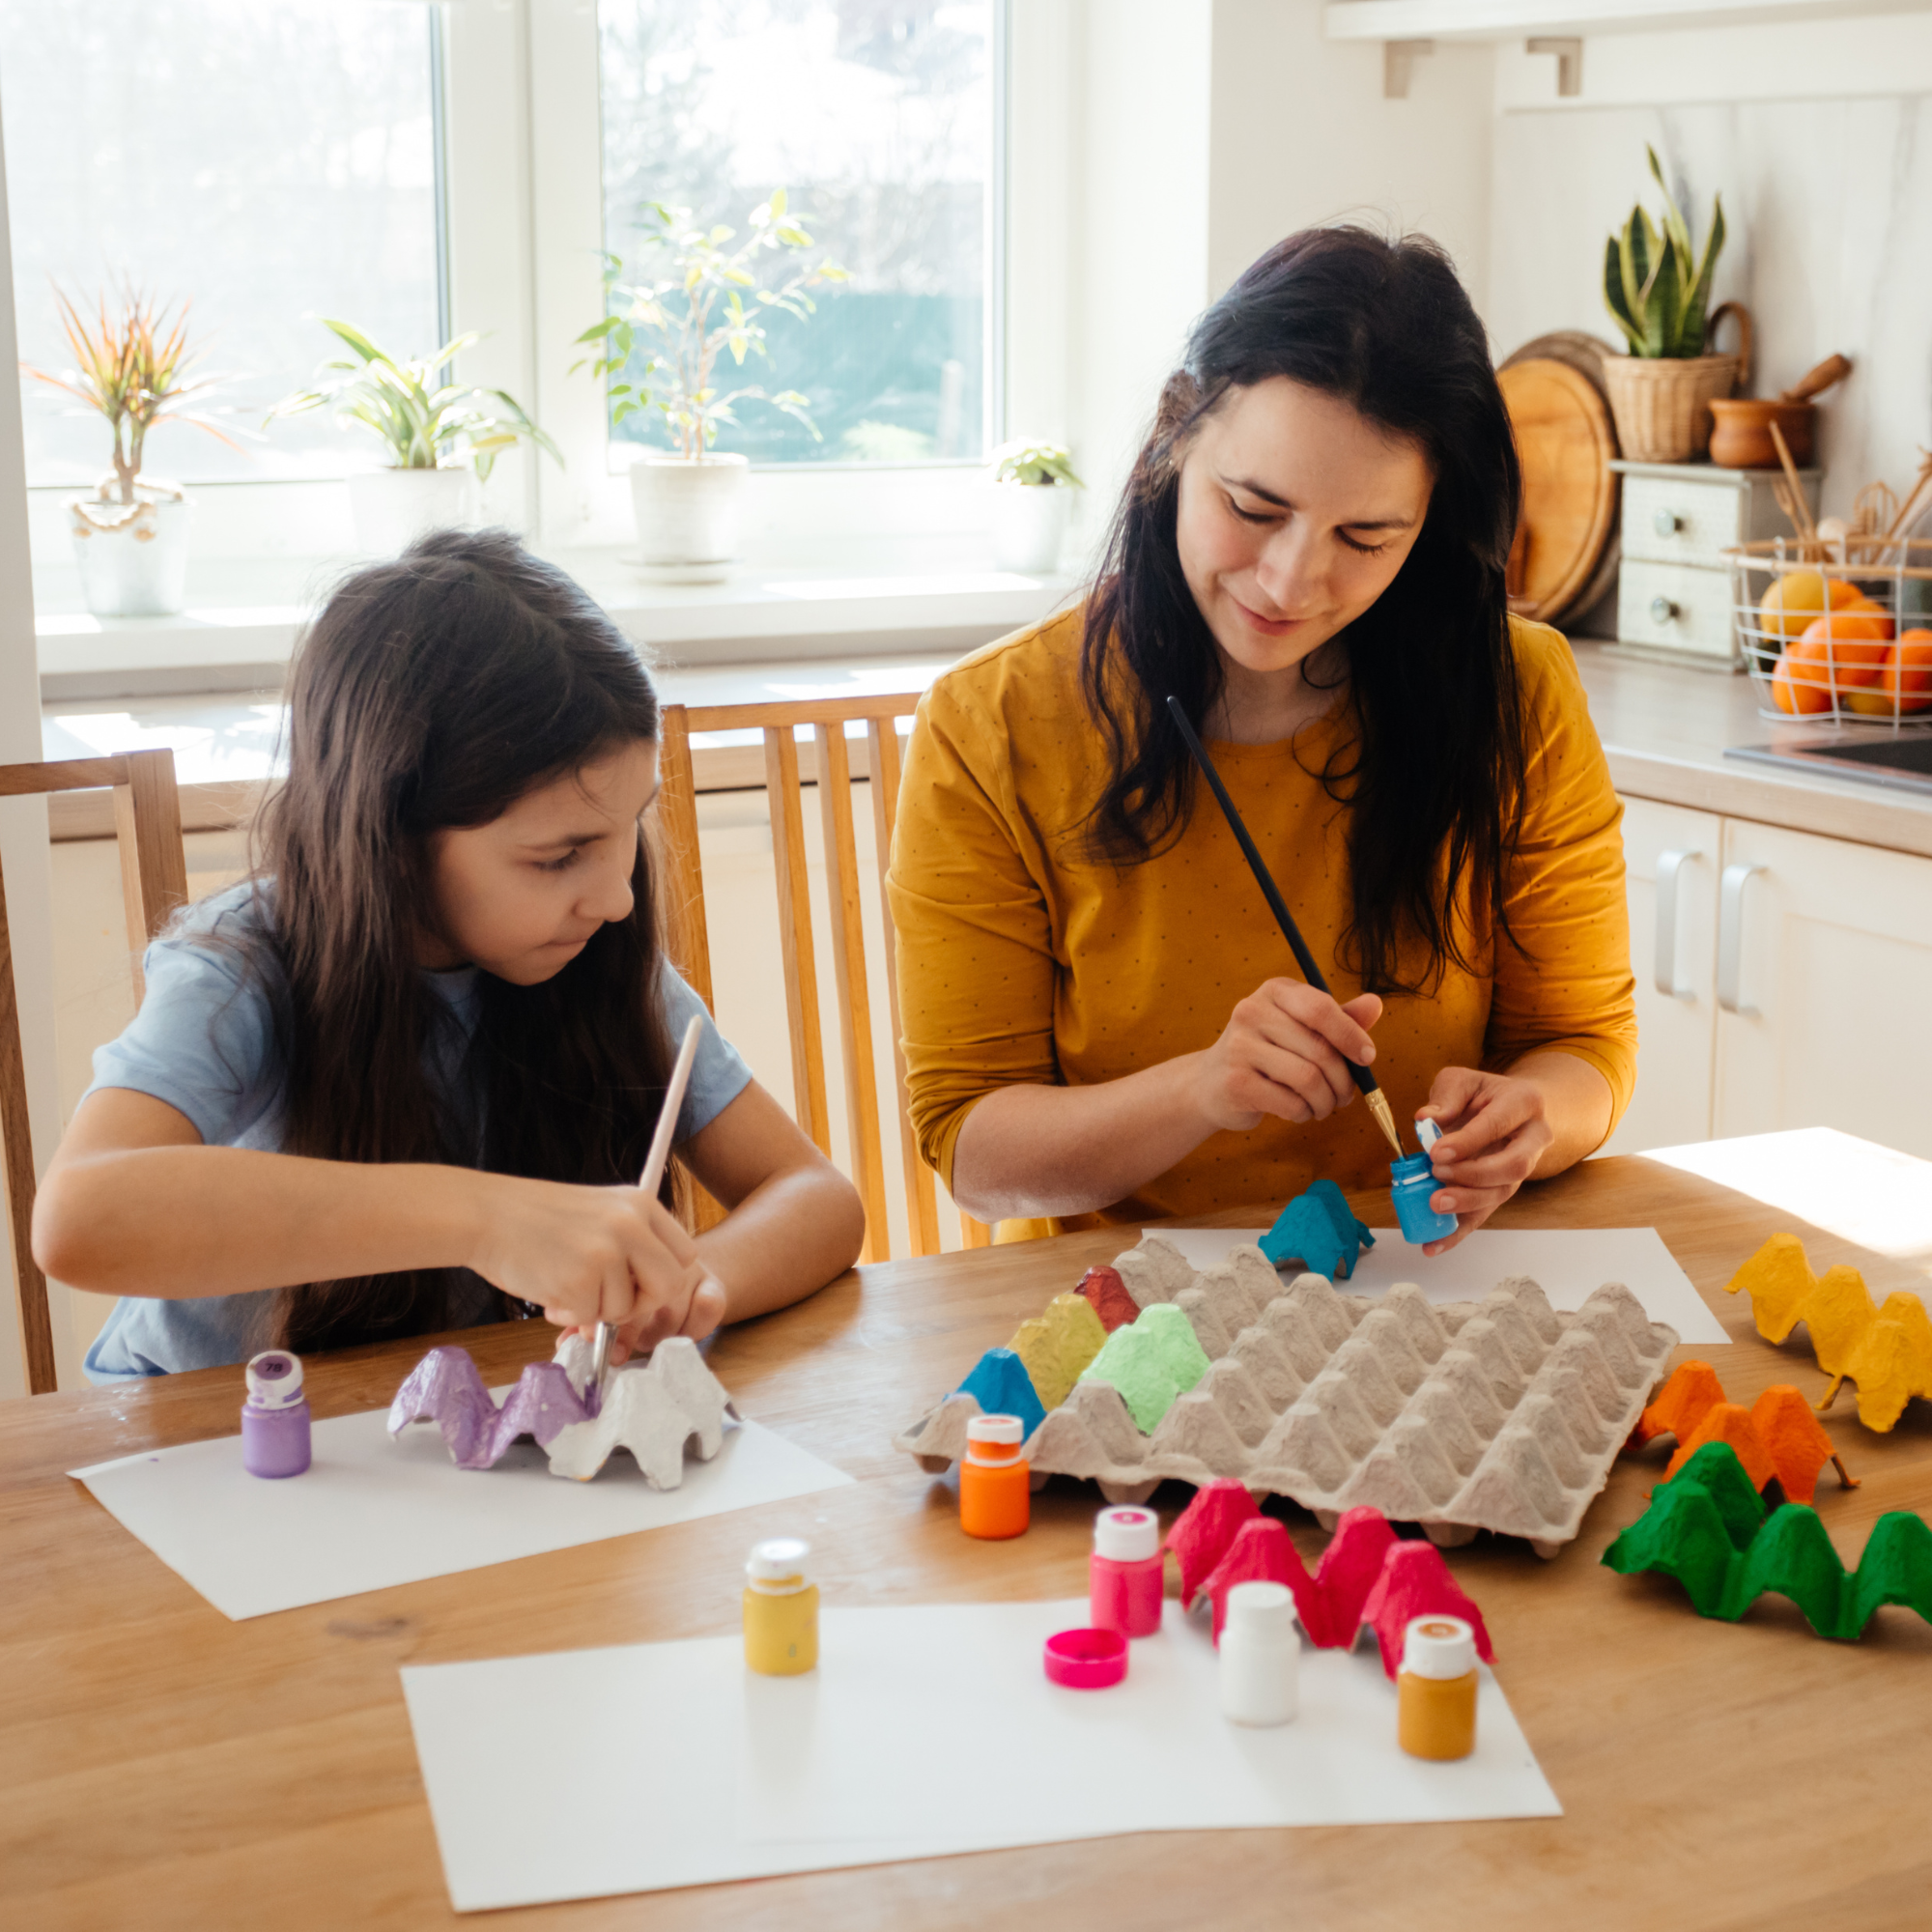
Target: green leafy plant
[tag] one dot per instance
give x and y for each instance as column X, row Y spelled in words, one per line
column 132, row 363
column 1035, row 464
column 697, row 311
column 1653, row 283
column 425, row 424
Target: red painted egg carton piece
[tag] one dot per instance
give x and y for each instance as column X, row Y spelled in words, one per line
column 1366, row 1575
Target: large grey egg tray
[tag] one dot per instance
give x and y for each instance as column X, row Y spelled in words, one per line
column 1500, row 1414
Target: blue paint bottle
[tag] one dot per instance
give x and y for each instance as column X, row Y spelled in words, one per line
column 1412, row 1181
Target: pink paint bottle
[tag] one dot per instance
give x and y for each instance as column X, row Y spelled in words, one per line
column 1125, row 1577
column 275, row 1419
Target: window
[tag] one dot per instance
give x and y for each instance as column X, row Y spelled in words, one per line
column 269, row 163
column 877, row 117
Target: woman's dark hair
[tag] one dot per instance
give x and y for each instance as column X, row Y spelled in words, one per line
column 1435, row 767
column 431, row 692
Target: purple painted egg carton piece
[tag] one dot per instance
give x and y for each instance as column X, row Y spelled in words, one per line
column 446, row 1388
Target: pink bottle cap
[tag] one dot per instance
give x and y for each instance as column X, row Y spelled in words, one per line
column 1085, row 1660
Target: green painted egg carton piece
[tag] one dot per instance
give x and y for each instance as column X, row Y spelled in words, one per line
column 1707, row 1527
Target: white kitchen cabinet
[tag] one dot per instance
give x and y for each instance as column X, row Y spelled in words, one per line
column 1672, row 857
column 1823, row 981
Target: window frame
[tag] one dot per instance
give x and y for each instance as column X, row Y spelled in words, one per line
column 520, row 169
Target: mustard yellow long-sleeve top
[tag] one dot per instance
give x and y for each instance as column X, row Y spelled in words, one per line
column 1022, row 961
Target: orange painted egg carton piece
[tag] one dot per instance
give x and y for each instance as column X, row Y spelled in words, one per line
column 1777, row 1435
column 1884, row 1351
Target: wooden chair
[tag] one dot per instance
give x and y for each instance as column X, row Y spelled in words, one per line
column 684, row 884
column 154, row 882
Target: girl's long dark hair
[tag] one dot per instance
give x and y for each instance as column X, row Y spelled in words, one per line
column 431, row 692
column 1434, row 768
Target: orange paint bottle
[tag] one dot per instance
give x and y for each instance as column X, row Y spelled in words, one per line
column 995, row 1480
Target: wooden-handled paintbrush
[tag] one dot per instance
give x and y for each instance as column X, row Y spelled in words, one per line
column 1377, row 1100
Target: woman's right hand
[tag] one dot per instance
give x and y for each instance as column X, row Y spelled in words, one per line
column 585, row 1254
column 1284, row 1051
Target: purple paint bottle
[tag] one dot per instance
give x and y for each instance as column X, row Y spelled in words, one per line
column 275, row 1419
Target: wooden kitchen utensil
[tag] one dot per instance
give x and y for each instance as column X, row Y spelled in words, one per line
column 1740, row 425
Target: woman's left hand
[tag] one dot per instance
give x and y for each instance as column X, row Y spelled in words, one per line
column 1495, row 1128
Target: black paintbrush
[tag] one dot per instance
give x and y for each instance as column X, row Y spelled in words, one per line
column 1377, row 1100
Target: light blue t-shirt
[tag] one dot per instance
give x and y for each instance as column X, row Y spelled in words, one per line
column 204, row 1041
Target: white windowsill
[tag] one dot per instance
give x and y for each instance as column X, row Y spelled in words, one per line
column 852, row 599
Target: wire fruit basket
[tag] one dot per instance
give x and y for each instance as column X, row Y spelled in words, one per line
column 1836, row 632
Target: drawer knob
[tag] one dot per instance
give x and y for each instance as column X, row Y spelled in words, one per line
column 1662, row 610
column 1666, row 522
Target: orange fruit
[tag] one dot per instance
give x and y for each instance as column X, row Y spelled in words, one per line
column 1793, row 696
column 1798, row 597
column 1904, row 681
column 1843, row 647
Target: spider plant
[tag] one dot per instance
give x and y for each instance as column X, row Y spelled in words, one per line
column 697, row 311
column 131, row 362
column 425, row 423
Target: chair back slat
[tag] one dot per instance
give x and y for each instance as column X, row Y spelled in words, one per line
column 154, row 884
column 681, row 871
column 848, row 959
column 921, row 1197
column 800, row 967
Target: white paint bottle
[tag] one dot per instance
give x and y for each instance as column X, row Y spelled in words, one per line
column 1260, row 1656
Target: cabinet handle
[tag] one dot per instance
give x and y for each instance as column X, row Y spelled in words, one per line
column 1666, row 522
column 1661, row 611
column 1730, row 938
column 1669, row 892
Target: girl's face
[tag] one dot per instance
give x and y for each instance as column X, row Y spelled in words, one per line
column 522, row 895
column 1296, row 513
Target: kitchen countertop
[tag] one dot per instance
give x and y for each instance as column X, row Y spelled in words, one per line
column 1665, row 728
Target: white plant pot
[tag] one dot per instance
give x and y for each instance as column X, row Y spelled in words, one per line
column 1029, row 526
column 393, row 507
column 688, row 516
column 133, row 560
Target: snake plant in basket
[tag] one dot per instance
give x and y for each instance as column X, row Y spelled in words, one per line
column 1658, row 290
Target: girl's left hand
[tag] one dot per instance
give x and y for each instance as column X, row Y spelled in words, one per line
column 1494, row 1130
column 704, row 1311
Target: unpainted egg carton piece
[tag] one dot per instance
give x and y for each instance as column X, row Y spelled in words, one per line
column 1501, row 1414
column 671, row 1407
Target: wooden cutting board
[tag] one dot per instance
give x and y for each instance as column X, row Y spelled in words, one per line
column 1565, row 441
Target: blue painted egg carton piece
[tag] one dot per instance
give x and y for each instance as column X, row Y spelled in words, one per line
column 1317, row 1229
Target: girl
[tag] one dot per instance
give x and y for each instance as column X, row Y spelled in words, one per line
column 1310, row 554
column 402, row 1078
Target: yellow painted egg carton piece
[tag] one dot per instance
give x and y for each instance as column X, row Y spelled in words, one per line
column 1884, row 1351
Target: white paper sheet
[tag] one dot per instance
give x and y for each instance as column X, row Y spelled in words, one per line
column 370, row 1512
column 923, row 1731
column 1566, row 1263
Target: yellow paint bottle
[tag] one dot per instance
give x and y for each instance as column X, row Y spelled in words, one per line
column 1435, row 1690
column 781, row 1610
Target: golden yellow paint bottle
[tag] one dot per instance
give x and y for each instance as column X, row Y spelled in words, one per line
column 1435, row 1692
column 781, row 1610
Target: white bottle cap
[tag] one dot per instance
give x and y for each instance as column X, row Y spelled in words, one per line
column 1428, row 1133
column 274, row 1379
column 778, row 1560
column 1438, row 1647
column 1001, row 1434
column 1261, row 1609
column 1126, row 1535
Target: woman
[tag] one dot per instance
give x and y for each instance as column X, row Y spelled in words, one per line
column 1099, row 1020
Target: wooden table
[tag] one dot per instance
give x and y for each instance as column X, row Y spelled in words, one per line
column 162, row 1767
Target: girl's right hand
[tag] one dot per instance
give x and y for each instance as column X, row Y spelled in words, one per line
column 1284, row 1051
column 583, row 1254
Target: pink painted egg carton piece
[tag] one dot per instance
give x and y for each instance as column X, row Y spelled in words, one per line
column 1366, row 1575
column 1500, row 1414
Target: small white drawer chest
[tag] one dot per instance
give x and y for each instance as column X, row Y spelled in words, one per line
column 1674, row 586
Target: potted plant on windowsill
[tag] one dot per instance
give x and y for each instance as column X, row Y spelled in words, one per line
column 1659, row 293
column 688, row 500
column 1032, row 501
column 436, row 433
column 130, row 365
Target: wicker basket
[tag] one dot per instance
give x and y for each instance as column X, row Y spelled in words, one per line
column 1662, row 406
column 1822, row 687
